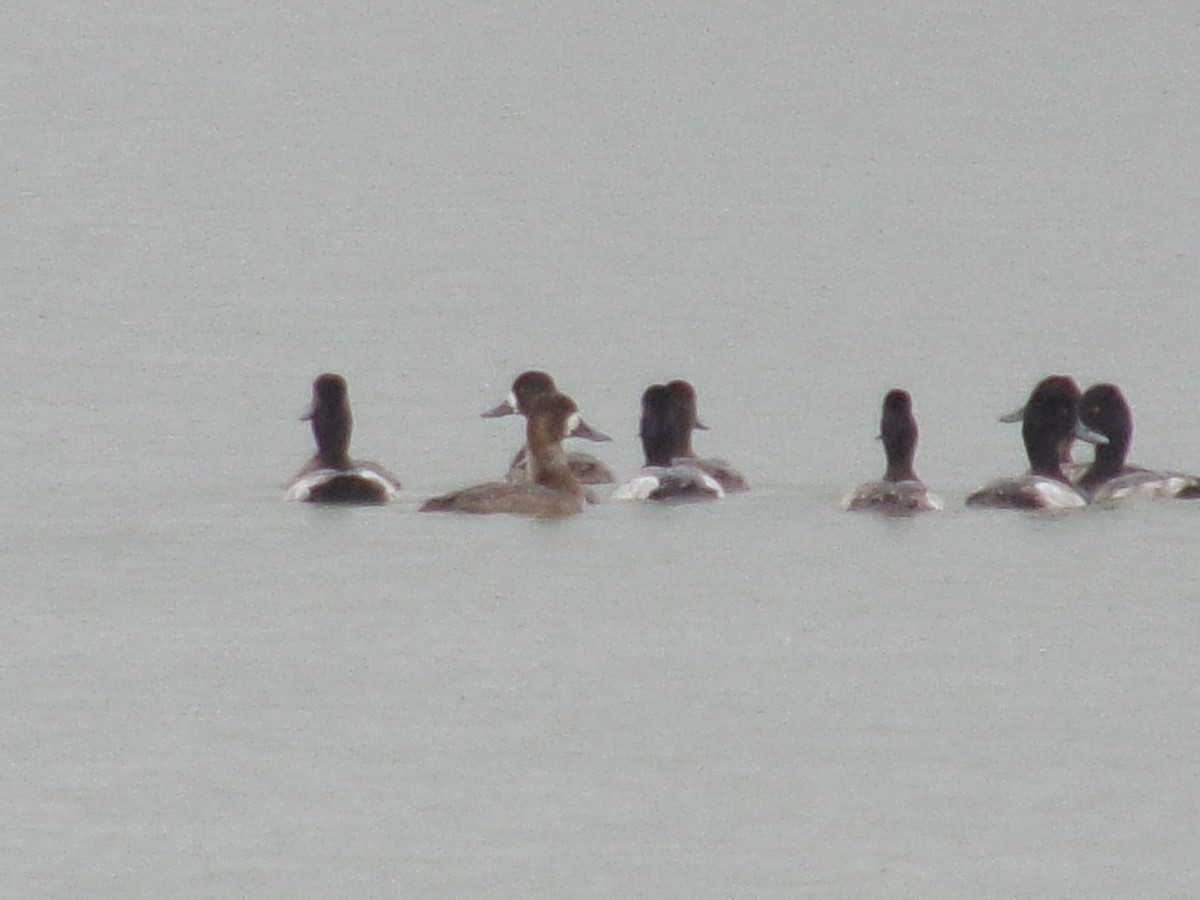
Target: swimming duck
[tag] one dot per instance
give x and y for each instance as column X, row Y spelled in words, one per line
column 900, row 490
column 586, row 467
column 554, row 489
column 683, row 405
column 1049, row 419
column 668, row 474
column 331, row 476
column 1108, row 479
column 1066, row 458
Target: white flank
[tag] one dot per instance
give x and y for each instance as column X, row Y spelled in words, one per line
column 640, row 487
column 1053, row 494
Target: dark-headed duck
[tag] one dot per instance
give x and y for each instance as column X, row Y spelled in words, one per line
column 1049, row 420
column 900, row 490
column 668, row 474
column 1109, row 479
column 1066, row 459
column 331, row 476
column 683, row 404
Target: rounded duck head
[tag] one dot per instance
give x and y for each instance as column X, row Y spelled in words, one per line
column 1103, row 408
column 526, row 387
column 553, row 417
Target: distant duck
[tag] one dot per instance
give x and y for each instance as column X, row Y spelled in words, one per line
column 331, row 476
column 668, row 473
column 1109, row 479
column 554, row 489
column 1049, row 421
column 1070, row 468
column 683, row 405
column 528, row 385
column 900, row 490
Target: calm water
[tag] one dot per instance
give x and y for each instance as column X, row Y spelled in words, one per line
column 211, row 692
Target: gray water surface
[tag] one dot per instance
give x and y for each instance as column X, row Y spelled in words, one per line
column 210, row 692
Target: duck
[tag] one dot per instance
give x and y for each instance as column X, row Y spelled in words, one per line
column 1066, row 456
column 683, row 404
column 1048, row 420
column 900, row 490
column 331, row 476
column 1109, row 479
column 554, row 490
column 533, row 383
column 667, row 474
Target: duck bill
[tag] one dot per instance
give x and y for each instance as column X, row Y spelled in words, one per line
column 588, row 433
column 1017, row 415
column 700, row 426
column 1086, row 434
column 504, row 409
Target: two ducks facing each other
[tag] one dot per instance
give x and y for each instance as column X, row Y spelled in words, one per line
column 542, row 479
column 1055, row 415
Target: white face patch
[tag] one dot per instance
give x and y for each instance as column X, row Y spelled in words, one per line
column 512, row 400
column 573, row 422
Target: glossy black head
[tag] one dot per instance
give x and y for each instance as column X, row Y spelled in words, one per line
column 898, row 431
column 1103, row 409
column 331, row 420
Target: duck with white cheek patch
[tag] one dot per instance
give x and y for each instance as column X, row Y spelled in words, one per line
column 554, row 489
column 525, row 387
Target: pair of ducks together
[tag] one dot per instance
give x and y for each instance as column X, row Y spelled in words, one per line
column 542, row 479
column 1053, row 417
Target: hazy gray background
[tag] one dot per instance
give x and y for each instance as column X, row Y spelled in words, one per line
column 210, row 692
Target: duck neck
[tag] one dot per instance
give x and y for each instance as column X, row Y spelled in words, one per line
column 548, row 463
column 658, row 428
column 1044, row 460
column 899, row 445
column 658, row 446
column 331, row 430
column 1108, row 462
column 900, row 470
column 683, row 443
